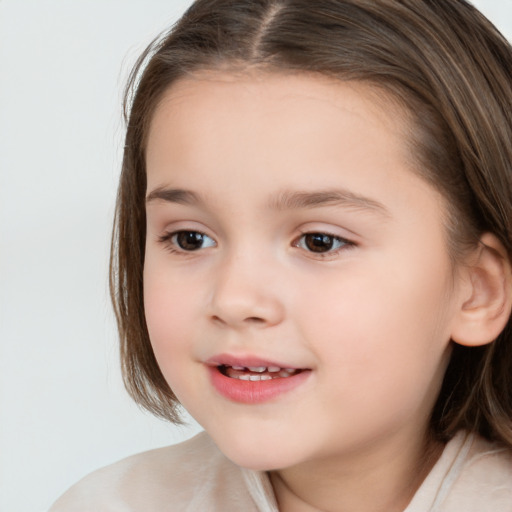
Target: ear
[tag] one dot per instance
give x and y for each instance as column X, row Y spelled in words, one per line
column 487, row 301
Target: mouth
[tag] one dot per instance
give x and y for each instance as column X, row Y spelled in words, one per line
column 257, row 373
column 254, row 381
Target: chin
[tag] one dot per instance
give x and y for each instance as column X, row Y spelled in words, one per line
column 257, row 461
column 250, row 453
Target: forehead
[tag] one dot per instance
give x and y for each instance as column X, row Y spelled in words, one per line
column 204, row 94
column 233, row 108
column 250, row 133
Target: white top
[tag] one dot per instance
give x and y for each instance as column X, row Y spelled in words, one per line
column 472, row 475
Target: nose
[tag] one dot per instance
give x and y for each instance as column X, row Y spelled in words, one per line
column 246, row 294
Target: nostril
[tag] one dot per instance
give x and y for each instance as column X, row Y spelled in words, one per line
column 217, row 319
column 249, row 320
column 254, row 320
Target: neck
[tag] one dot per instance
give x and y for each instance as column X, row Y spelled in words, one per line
column 384, row 479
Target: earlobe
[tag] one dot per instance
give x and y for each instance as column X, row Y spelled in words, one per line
column 486, row 308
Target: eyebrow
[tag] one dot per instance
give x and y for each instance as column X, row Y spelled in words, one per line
column 284, row 200
column 291, row 200
column 173, row 195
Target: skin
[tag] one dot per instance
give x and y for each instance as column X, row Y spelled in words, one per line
column 371, row 319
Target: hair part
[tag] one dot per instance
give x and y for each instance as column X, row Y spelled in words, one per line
column 440, row 59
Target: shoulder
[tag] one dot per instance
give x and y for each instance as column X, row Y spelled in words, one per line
column 483, row 480
column 193, row 475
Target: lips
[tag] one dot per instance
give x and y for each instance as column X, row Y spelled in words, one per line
column 252, row 380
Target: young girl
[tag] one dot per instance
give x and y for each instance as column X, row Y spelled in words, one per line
column 312, row 255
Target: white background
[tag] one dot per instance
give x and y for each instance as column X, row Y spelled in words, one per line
column 63, row 409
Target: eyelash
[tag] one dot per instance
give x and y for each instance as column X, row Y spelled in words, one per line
column 173, row 246
column 344, row 243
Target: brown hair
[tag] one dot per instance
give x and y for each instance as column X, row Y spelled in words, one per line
column 441, row 59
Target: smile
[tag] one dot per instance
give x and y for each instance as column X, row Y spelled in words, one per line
column 257, row 373
column 254, row 382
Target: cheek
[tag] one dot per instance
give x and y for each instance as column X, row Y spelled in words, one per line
column 382, row 347
column 389, row 318
column 168, row 310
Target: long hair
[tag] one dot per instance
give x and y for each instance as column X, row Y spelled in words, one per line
column 440, row 59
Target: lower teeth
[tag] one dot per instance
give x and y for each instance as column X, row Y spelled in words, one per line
column 254, row 378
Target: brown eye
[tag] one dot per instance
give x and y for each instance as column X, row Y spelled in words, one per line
column 317, row 242
column 321, row 242
column 191, row 240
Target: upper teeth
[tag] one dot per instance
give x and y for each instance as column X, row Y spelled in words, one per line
column 261, row 369
column 262, row 372
column 258, row 369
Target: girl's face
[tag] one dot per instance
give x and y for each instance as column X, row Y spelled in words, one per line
column 288, row 232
